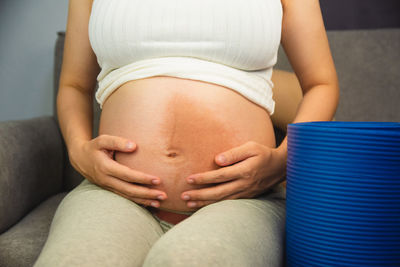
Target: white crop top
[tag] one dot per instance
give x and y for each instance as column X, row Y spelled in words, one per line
column 233, row 43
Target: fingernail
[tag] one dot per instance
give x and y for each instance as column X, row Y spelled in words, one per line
column 160, row 197
column 191, row 178
column 129, row 145
column 221, row 158
column 154, row 204
column 186, row 197
column 191, row 204
column 155, row 181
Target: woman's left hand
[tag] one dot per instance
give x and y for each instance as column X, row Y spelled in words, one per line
column 248, row 170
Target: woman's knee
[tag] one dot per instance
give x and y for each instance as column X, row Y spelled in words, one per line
column 190, row 250
column 96, row 226
column 244, row 209
column 227, row 233
column 90, row 199
column 100, row 210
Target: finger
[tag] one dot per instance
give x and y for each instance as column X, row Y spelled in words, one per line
column 127, row 174
column 141, row 201
column 111, row 142
column 133, row 190
column 199, row 204
column 216, row 193
column 236, row 154
column 236, row 171
column 110, row 153
column 215, row 176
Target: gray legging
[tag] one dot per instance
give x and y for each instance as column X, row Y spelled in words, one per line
column 95, row 227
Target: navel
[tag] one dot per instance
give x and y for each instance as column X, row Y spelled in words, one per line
column 172, row 154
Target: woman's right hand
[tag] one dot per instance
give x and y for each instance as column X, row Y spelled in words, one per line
column 94, row 160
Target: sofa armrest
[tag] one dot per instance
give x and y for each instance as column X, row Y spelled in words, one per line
column 31, row 166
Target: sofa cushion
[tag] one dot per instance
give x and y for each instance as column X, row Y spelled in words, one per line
column 21, row 244
column 31, row 166
column 368, row 67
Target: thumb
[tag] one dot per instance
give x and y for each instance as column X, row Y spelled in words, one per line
column 236, row 154
column 117, row 143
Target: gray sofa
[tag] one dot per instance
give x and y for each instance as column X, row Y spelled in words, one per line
column 35, row 173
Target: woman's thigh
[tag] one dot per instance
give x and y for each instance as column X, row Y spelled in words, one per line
column 243, row 232
column 95, row 227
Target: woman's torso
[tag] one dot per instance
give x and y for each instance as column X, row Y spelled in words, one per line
column 179, row 126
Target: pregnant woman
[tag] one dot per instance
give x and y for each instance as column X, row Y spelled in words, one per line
column 185, row 170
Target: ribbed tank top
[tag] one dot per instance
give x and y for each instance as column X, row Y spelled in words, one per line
column 233, row 43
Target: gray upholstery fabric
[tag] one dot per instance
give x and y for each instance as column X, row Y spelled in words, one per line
column 368, row 64
column 21, row 244
column 368, row 67
column 30, row 166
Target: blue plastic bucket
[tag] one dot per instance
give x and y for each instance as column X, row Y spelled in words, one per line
column 343, row 194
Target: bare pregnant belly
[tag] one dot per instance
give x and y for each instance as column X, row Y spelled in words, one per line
column 179, row 126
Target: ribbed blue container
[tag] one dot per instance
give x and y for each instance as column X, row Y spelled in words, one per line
column 343, row 194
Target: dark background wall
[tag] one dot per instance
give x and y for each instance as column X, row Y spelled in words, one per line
column 360, row 14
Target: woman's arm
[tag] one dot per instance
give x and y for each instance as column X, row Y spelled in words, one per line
column 306, row 44
column 93, row 157
column 78, row 77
